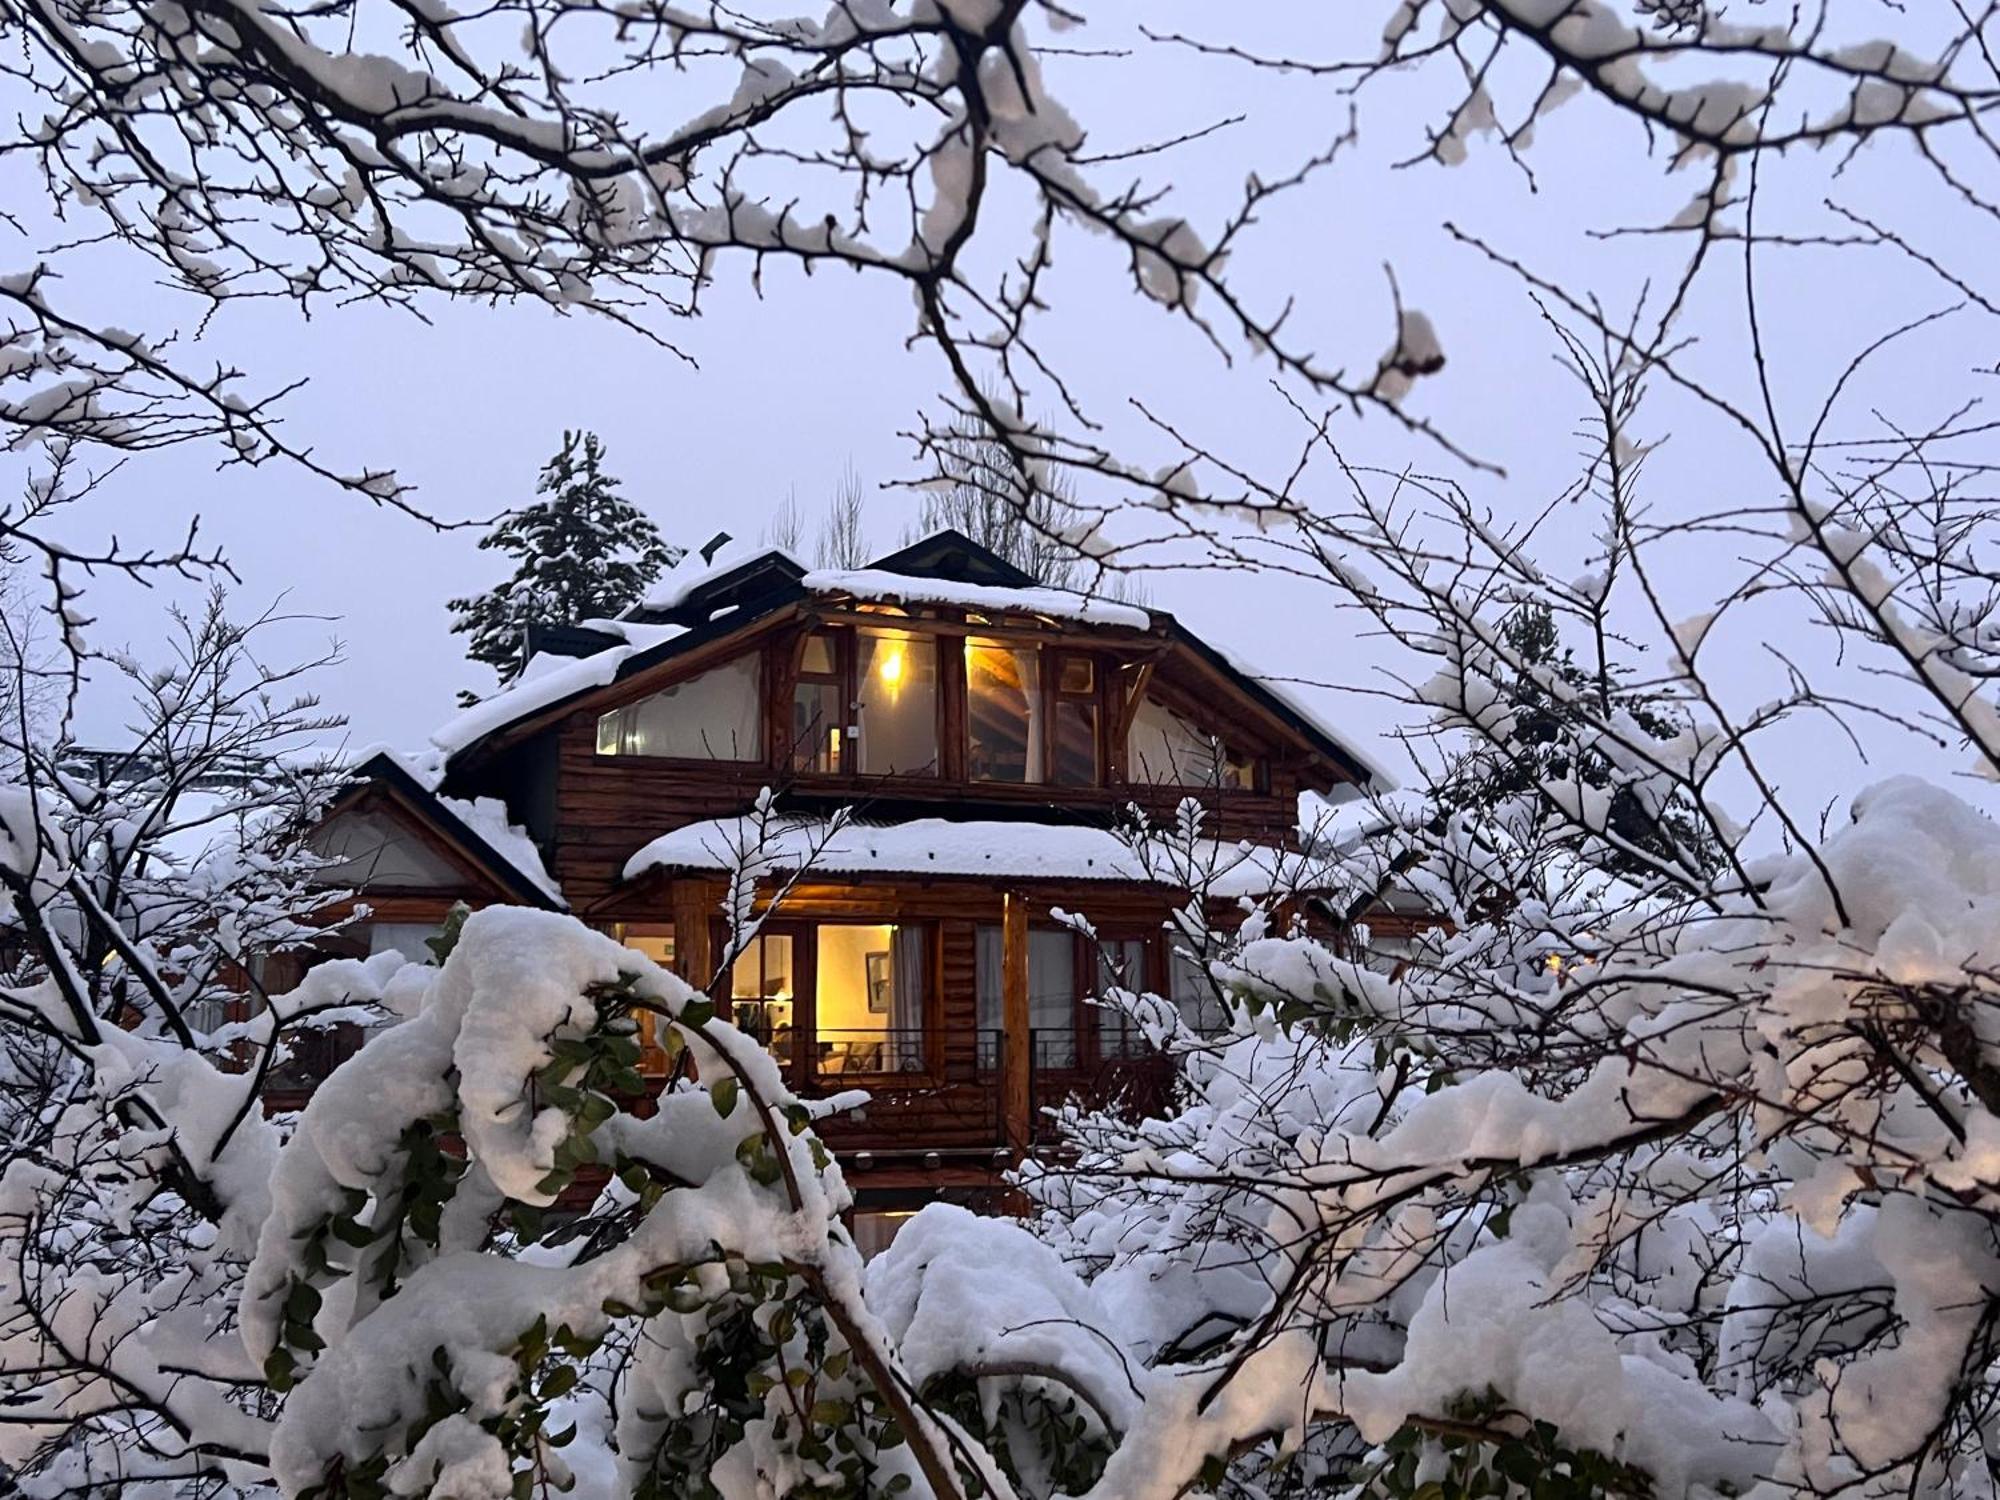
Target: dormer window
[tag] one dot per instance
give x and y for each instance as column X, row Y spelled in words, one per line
column 714, row 715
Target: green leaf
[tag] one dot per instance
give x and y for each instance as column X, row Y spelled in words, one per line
column 723, row 1096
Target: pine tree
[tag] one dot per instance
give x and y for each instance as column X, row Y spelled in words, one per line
column 1550, row 744
column 583, row 553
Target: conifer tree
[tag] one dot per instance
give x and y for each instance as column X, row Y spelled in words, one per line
column 583, row 552
column 1549, row 743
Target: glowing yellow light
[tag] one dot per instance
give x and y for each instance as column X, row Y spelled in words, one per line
column 892, row 665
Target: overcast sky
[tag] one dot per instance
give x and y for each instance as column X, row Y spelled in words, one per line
column 778, row 392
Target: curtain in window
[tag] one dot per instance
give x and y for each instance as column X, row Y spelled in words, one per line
column 906, row 1006
column 1193, row 994
column 1121, row 964
column 1052, row 997
column 987, row 949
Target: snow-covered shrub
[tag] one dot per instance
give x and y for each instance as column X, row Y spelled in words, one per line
column 138, row 892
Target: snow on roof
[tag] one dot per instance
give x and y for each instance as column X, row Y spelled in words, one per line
column 671, row 589
column 877, row 584
column 425, row 767
column 549, row 679
column 1286, row 692
column 487, row 817
column 987, row 848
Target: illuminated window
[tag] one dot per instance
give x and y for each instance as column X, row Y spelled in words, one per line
column 656, row 941
column 1031, row 716
column 819, row 706
column 761, row 991
column 714, row 715
column 895, row 675
column 1003, row 711
column 871, row 983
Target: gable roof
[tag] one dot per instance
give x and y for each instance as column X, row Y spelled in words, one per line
column 701, row 601
column 477, row 832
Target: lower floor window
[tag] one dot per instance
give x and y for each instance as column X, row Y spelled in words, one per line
column 1063, row 969
column 870, row 984
column 869, row 989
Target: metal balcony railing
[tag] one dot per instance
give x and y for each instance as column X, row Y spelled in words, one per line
column 837, row 1053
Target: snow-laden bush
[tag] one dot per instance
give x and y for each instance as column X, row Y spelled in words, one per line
column 1703, row 1207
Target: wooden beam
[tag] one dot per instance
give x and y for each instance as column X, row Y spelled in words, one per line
column 694, row 960
column 1017, row 1045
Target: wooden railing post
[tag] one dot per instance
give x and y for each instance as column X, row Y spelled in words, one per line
column 1017, row 1042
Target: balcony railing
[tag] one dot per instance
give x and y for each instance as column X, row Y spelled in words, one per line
column 1129, row 1077
column 872, row 1052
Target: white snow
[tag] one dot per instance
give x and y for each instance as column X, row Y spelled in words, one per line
column 937, row 846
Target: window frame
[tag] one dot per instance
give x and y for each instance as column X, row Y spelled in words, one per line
column 1085, row 1018
column 845, row 679
column 1257, row 761
column 760, row 752
column 1050, row 659
column 802, row 1069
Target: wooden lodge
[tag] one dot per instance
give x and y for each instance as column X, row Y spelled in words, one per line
column 984, row 735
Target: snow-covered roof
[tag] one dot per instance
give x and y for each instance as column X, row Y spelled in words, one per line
column 487, row 817
column 1061, row 604
column 548, row 680
column 982, row 848
column 739, row 583
column 678, row 584
column 480, row 822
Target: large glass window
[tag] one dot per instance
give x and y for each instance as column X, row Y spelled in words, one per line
column 871, row 982
column 896, row 702
column 714, row 715
column 1030, row 716
column 656, row 941
column 819, row 707
column 761, row 991
column 1003, row 711
column 1051, row 993
column 1074, row 756
column 1165, row 749
column 1121, row 964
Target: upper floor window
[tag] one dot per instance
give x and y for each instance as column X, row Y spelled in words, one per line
column 714, row 715
column 1165, row 749
column 896, row 702
column 866, row 703
column 1030, row 716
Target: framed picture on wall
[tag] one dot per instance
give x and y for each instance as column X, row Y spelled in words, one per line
column 880, row 985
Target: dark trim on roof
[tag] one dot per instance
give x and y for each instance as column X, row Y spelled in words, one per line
column 749, row 582
column 386, row 770
column 568, row 640
column 957, row 558
column 1304, row 727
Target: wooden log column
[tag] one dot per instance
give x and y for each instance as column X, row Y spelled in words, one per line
column 1017, row 1043
column 694, row 960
